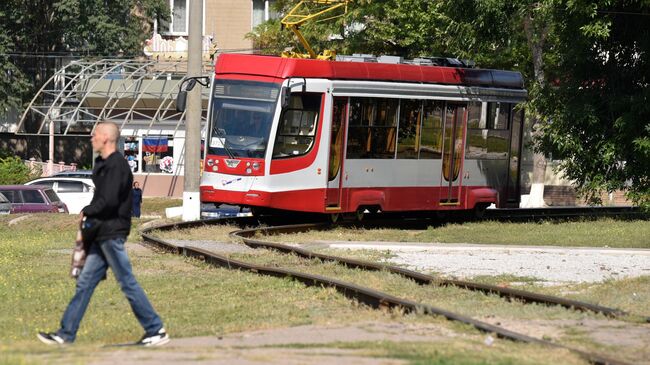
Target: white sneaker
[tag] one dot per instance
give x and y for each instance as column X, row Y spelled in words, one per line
column 158, row 339
column 51, row 338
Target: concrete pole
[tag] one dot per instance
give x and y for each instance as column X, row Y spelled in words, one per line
column 191, row 196
column 50, row 162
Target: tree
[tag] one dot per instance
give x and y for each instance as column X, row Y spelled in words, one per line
column 585, row 62
column 598, row 111
column 97, row 27
column 13, row 171
column 512, row 35
column 408, row 28
column 42, row 28
column 12, row 81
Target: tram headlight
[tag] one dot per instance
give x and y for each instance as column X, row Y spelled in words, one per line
column 248, row 170
column 210, row 162
column 256, row 165
column 215, row 168
column 248, row 164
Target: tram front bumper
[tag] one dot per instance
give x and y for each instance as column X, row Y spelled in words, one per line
column 251, row 197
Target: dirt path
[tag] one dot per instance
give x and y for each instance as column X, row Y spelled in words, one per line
column 295, row 345
column 316, row 345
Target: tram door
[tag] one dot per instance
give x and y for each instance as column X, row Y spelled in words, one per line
column 453, row 149
column 335, row 166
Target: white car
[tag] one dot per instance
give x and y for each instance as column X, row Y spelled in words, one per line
column 75, row 192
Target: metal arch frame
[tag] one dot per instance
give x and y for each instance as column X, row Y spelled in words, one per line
column 43, row 91
column 61, row 88
column 97, row 80
column 115, row 97
column 169, row 100
column 143, row 92
column 68, row 92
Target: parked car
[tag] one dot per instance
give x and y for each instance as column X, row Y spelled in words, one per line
column 75, row 192
column 33, row 199
column 77, row 173
column 5, row 205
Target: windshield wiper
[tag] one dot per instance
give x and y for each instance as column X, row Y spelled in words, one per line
column 222, row 133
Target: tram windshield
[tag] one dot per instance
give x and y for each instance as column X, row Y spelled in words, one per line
column 242, row 115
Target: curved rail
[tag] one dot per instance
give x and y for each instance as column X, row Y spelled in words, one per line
column 370, row 297
column 420, row 278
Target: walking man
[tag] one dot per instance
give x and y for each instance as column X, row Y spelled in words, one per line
column 111, row 206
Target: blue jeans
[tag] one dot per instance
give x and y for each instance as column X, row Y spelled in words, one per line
column 101, row 256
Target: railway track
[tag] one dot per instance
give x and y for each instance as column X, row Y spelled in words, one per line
column 369, row 296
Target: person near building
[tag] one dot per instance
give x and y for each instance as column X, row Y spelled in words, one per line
column 111, row 209
column 137, row 200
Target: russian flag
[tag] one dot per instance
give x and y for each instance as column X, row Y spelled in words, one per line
column 154, row 144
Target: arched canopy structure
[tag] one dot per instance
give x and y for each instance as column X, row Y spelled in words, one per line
column 131, row 93
column 139, row 96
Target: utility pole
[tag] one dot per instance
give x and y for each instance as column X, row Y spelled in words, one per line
column 191, row 195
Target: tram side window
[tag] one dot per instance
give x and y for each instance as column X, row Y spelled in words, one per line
column 477, row 134
column 515, row 149
column 431, row 139
column 372, row 128
column 496, row 134
column 408, row 136
column 298, row 125
column 498, row 115
column 498, row 144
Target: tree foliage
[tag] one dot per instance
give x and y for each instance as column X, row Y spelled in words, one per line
column 598, row 109
column 586, row 64
column 98, row 27
column 13, row 171
column 32, row 30
column 13, row 85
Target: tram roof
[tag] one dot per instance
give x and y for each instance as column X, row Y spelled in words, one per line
column 284, row 68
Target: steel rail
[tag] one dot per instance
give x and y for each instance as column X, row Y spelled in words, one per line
column 420, row 278
column 563, row 212
column 370, row 297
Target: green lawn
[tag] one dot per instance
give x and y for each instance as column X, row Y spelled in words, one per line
column 197, row 300
column 604, row 232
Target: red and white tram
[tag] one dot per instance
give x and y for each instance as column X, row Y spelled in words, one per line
column 343, row 136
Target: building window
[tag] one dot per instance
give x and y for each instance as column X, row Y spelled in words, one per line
column 263, row 11
column 178, row 23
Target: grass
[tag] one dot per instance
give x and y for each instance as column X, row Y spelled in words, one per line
column 604, row 232
column 35, row 288
column 157, row 206
column 632, row 295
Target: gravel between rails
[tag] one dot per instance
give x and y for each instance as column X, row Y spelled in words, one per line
column 553, row 265
column 549, row 265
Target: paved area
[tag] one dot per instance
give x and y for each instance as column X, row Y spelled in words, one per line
column 549, row 264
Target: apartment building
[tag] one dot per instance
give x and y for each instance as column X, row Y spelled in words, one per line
column 225, row 22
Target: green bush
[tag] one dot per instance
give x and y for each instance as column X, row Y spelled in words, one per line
column 13, row 171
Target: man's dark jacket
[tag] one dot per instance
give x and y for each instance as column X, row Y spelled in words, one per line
column 112, row 200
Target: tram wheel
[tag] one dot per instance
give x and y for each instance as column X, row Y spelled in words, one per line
column 334, row 217
column 479, row 210
column 260, row 211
